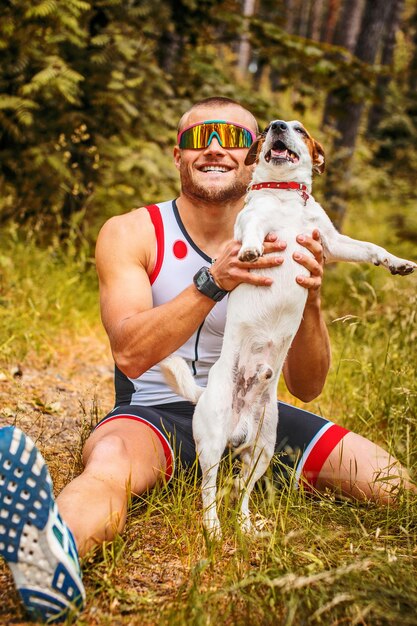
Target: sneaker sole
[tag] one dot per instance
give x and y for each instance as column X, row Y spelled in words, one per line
column 31, row 532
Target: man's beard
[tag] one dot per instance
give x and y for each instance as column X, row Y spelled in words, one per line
column 230, row 193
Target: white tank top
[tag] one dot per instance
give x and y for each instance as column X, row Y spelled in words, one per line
column 178, row 258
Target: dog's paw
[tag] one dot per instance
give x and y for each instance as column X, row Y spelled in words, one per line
column 249, row 254
column 212, row 530
column 246, row 525
column 402, row 267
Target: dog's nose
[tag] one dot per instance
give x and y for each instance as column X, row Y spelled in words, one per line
column 279, row 125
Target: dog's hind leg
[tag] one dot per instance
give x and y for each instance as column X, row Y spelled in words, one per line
column 210, row 425
column 256, row 459
column 211, row 521
column 255, row 463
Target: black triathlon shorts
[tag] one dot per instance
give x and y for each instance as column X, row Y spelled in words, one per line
column 304, row 440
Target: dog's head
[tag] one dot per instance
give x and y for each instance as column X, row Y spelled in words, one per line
column 286, row 147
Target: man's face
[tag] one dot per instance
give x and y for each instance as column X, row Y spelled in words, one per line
column 215, row 174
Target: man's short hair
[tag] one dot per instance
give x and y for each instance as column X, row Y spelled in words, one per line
column 215, row 101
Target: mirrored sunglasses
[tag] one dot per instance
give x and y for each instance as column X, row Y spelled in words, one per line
column 228, row 135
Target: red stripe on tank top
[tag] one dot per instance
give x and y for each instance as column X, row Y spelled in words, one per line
column 158, row 225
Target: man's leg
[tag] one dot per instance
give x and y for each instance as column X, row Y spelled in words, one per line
column 121, row 458
column 327, row 456
column 360, row 469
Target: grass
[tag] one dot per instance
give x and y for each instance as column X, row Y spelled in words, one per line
column 44, row 292
column 317, row 560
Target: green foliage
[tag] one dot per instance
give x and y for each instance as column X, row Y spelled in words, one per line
column 310, row 68
column 43, row 293
column 90, row 95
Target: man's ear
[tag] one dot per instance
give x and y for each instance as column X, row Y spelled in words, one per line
column 177, row 157
column 319, row 161
column 253, row 152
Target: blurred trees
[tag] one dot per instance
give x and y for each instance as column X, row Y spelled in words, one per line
column 91, row 91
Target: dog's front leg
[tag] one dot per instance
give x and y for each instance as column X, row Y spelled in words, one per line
column 210, row 428
column 250, row 231
column 342, row 248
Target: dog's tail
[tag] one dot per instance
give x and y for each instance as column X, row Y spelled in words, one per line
column 179, row 378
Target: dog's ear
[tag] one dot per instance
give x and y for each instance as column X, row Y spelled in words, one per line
column 253, row 152
column 319, row 162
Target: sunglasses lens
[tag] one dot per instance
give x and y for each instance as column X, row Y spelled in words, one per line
column 228, row 135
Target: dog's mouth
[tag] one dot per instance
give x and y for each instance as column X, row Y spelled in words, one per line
column 279, row 152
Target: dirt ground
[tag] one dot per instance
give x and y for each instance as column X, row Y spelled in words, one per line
column 56, row 403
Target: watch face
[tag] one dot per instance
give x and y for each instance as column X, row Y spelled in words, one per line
column 201, row 279
column 205, row 283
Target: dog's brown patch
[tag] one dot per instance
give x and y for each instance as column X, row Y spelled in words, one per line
column 316, row 152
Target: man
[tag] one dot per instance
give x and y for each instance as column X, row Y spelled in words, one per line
column 155, row 300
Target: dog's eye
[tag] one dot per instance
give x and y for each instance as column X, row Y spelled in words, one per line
column 300, row 129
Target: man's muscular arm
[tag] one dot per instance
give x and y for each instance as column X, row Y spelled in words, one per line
column 140, row 334
column 308, row 360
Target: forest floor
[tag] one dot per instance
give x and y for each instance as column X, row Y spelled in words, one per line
column 316, row 561
column 56, row 403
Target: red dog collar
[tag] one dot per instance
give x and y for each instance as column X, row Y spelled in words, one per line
column 291, row 185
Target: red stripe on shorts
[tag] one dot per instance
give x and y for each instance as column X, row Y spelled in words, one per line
column 169, row 469
column 158, row 225
column 320, row 453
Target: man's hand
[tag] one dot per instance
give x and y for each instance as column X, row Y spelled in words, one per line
column 228, row 272
column 314, row 264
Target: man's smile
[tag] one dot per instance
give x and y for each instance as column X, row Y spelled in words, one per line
column 214, row 168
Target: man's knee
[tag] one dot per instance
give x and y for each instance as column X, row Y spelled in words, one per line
column 108, row 448
column 126, row 452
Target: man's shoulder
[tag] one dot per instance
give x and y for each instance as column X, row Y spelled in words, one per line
column 127, row 225
column 129, row 218
column 129, row 234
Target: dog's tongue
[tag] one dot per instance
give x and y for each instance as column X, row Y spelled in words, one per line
column 284, row 153
column 280, row 154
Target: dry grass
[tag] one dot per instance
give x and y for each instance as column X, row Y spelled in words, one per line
column 316, row 560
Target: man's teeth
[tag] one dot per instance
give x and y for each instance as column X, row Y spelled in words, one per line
column 214, row 168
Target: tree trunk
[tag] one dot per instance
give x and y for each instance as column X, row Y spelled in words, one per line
column 373, row 25
column 316, row 20
column 345, row 35
column 304, row 17
column 330, row 21
column 291, row 13
column 412, row 67
column 374, row 22
column 244, row 52
column 376, row 112
column 348, row 25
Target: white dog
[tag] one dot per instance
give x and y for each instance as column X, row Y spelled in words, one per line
column 239, row 406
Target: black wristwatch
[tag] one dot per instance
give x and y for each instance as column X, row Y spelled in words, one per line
column 204, row 282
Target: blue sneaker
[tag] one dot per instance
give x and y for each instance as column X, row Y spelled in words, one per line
column 37, row 545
